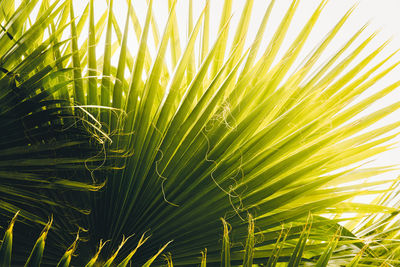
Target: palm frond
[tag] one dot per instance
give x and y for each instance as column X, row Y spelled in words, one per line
column 235, row 136
column 242, row 135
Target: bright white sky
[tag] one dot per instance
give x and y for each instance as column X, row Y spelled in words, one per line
column 382, row 14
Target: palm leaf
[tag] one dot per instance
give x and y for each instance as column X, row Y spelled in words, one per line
column 236, row 135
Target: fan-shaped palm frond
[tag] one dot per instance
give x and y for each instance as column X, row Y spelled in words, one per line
column 234, row 136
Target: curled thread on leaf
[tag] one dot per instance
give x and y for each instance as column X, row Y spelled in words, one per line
column 163, row 181
column 231, row 193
